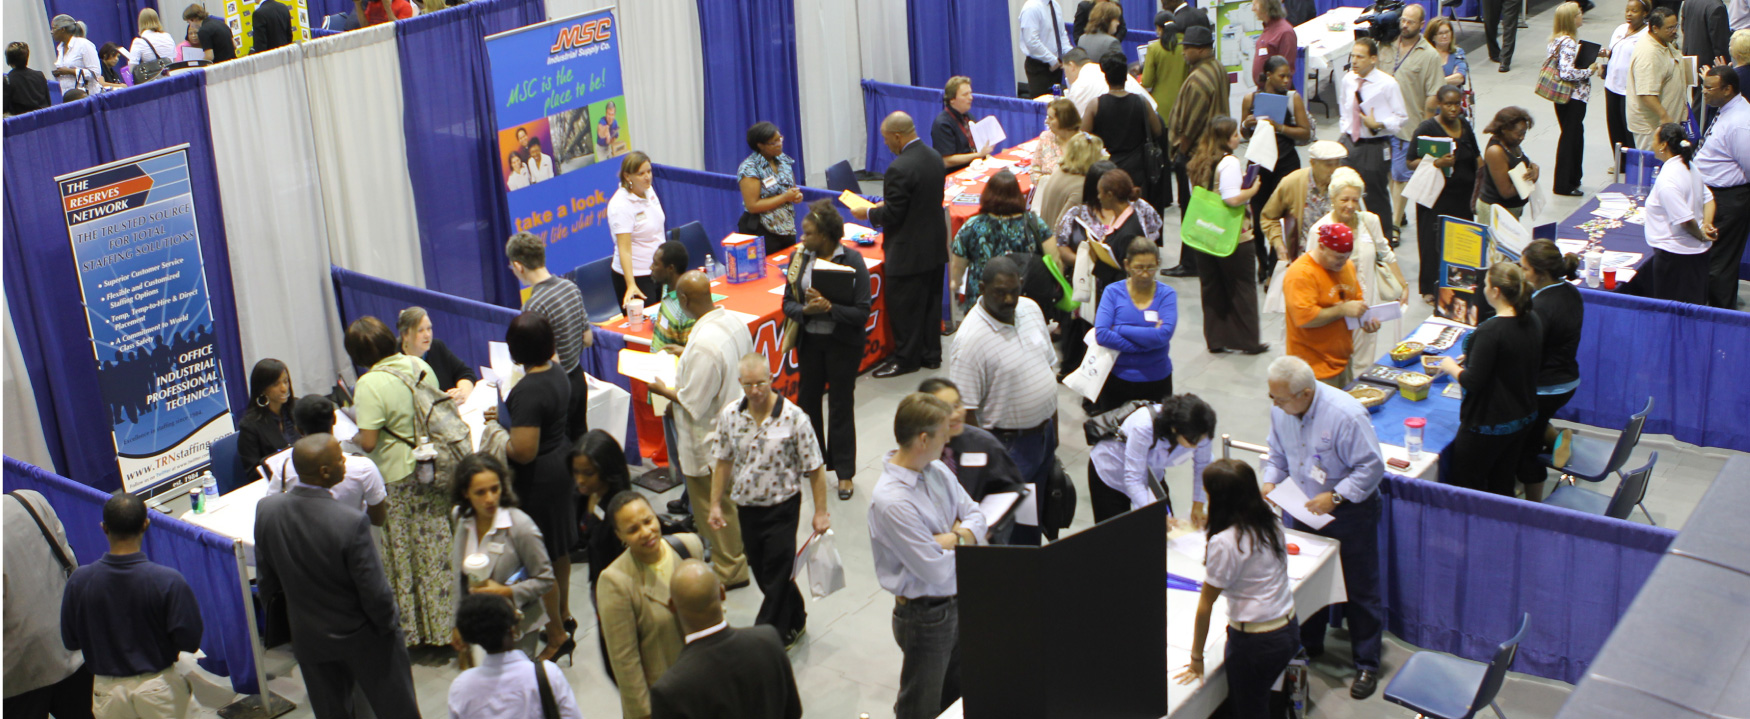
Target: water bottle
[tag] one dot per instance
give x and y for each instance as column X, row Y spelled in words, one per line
column 1057, row 89
column 209, row 491
column 711, row 269
column 1413, row 427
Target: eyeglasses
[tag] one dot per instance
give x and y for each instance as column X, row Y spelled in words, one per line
column 751, row 385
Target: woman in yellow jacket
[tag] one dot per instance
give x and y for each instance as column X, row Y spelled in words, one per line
column 644, row 637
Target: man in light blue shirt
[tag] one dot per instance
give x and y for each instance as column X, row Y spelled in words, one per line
column 504, row 685
column 1723, row 161
column 1043, row 41
column 918, row 514
column 1322, row 440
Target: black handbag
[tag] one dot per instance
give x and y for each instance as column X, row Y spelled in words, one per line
column 749, row 224
column 1060, row 499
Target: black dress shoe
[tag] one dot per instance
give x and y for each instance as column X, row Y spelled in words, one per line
column 1571, row 193
column 680, row 506
column 1179, row 271
column 1258, row 350
column 1365, row 683
column 893, row 369
column 936, row 364
column 1504, row 67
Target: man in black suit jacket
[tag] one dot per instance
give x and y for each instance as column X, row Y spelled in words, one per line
column 319, row 554
column 724, row 672
column 916, row 245
column 26, row 89
column 272, row 26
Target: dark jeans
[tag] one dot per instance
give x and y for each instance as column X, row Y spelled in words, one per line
column 1571, row 146
column 829, row 369
column 1501, row 17
column 768, row 538
column 69, row 698
column 914, row 316
column 1035, row 453
column 1040, row 77
column 1253, row 662
column 1486, row 462
column 1371, row 159
column 928, row 633
column 1616, row 118
column 1356, row 526
column 1531, row 471
column 577, row 415
column 1724, row 255
column 1119, row 390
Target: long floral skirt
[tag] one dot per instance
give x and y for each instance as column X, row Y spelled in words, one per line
column 416, row 558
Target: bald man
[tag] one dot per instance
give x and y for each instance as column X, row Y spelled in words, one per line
column 724, row 672
column 705, row 383
column 915, row 232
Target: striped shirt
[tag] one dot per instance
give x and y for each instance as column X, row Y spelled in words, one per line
column 1005, row 371
column 672, row 324
column 1201, row 100
column 562, row 303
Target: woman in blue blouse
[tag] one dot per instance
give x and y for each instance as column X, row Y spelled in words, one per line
column 1153, row 438
column 767, row 179
column 1439, row 33
column 1137, row 322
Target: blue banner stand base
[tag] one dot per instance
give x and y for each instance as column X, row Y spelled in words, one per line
column 251, row 707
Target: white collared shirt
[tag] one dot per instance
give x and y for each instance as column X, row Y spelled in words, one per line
column 361, row 487
column 1126, row 462
column 706, row 381
column 1380, row 96
column 1672, row 203
column 79, row 54
column 1091, row 84
column 644, row 220
column 503, row 687
column 1253, row 578
column 702, row 633
column 1622, row 52
column 471, row 530
column 767, row 458
column 540, row 168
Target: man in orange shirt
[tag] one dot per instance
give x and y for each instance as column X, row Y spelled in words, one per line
column 1320, row 290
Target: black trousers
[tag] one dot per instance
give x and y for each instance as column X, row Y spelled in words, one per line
column 1040, row 77
column 829, row 368
column 1501, row 17
column 1532, row 471
column 1571, row 146
column 914, row 316
column 1103, row 499
column 1182, row 186
column 1725, row 254
column 1371, row 159
column 1486, row 462
column 1674, row 277
column 384, row 673
column 768, row 537
column 1616, row 118
column 69, row 698
column 1230, row 298
column 1253, row 662
column 779, row 243
column 652, row 293
column 1118, row 391
column 577, row 414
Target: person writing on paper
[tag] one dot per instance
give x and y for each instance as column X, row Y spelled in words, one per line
column 767, row 179
column 1321, row 289
column 1461, row 161
column 724, row 671
column 362, row 486
column 1657, row 89
column 1151, row 438
column 1276, row 79
column 1504, row 154
column 1136, row 320
column 1003, row 225
column 453, row 375
column 1679, row 225
column 1558, row 305
column 1564, row 44
column 918, row 515
column 1376, row 265
column 1372, row 112
column 636, row 218
column 644, row 638
column 1246, row 559
column 976, row 457
column 1300, row 200
column 1062, row 122
column 1230, row 300
column 488, row 524
column 1125, row 122
column 951, row 133
column 829, row 339
column 1501, row 361
column 1322, row 440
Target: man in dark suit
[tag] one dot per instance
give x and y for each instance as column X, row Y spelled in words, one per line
column 724, row 672
column 1707, row 34
column 272, row 26
column 319, row 554
column 916, row 245
column 26, row 89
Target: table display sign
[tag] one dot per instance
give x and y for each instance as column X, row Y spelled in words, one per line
column 560, row 115
column 1464, row 254
column 240, row 16
column 137, row 251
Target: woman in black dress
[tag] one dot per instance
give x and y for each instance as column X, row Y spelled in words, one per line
column 1501, row 362
column 1557, row 304
column 538, row 445
column 267, row 425
column 598, row 467
column 1125, row 122
column 1278, row 79
column 1460, row 167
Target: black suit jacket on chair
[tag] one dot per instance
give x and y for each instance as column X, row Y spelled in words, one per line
column 915, row 228
column 319, row 553
column 733, row 674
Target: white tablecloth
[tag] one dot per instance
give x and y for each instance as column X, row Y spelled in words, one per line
column 1327, row 50
column 233, row 515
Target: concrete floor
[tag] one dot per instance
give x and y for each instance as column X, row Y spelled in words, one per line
column 848, row 664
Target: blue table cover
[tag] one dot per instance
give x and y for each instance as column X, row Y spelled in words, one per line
column 1440, row 411
column 1627, row 238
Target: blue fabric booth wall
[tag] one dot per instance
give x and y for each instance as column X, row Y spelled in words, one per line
column 114, row 21
column 713, row 200
column 749, row 49
column 42, row 291
column 960, row 37
column 1022, row 119
column 205, row 559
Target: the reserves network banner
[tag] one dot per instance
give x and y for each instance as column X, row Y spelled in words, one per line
column 561, row 114
column 138, row 256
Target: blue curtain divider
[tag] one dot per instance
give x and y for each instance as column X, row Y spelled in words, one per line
column 205, row 559
column 1021, row 119
column 714, row 201
column 448, row 121
column 41, row 284
column 467, row 325
column 749, row 52
column 958, row 37
column 1459, row 567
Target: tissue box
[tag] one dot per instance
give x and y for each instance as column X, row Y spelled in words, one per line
column 745, row 258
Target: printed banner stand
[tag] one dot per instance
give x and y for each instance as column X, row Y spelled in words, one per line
column 560, row 112
column 137, row 252
column 1465, row 249
column 240, row 16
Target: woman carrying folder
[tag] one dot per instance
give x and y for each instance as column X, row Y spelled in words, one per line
column 1571, row 103
column 1448, row 141
column 1293, row 128
column 827, row 302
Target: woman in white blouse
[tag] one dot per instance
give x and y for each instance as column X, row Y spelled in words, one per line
column 1247, row 559
column 540, row 165
column 519, row 172
column 1613, row 62
column 1679, row 224
column 151, row 44
column 1230, row 299
column 76, row 63
column 1154, row 437
column 1376, row 266
column 636, row 219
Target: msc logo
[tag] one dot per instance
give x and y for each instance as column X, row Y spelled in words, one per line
column 583, row 34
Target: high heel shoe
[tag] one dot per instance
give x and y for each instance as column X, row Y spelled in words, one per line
column 570, row 625
column 564, row 650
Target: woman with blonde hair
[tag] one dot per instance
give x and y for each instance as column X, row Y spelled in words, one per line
column 1057, row 192
column 151, row 44
column 1376, row 266
column 1571, row 104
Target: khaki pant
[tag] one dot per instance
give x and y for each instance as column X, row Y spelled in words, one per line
column 1340, row 380
column 726, row 552
column 159, row 695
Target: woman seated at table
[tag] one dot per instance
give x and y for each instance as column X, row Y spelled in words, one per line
column 1003, row 225
column 488, row 524
column 1136, row 319
column 1101, row 36
column 453, row 375
column 1277, row 79
column 1062, row 122
column 1504, row 153
column 1679, row 238
column 1230, row 300
column 1558, row 306
column 636, row 219
column 1112, row 215
column 1247, row 559
column 1502, row 358
column 267, row 425
column 1055, row 193
column 1461, row 164
column 829, row 338
column 1439, row 33
column 951, row 133
column 1155, row 436
column 644, row 637
column 767, row 179
column 1376, row 265
column 598, row 466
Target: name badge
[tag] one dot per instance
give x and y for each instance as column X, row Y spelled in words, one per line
column 770, row 182
column 778, row 433
column 639, row 217
column 1314, row 471
column 1387, row 152
column 495, row 547
column 1151, row 315
column 974, row 459
column 1263, row 51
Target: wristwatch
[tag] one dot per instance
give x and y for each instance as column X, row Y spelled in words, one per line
column 959, row 539
column 1337, row 500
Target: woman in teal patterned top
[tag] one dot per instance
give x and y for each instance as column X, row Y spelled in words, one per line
column 767, row 179
column 1003, row 225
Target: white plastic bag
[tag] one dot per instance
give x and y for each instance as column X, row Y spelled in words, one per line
column 826, row 572
column 1425, row 185
column 609, row 407
column 1273, row 300
column 1090, row 377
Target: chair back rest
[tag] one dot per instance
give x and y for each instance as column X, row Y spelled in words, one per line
column 841, row 177
column 596, row 281
column 1631, row 491
column 1640, row 167
column 1631, row 436
column 698, row 243
column 226, row 463
column 1300, row 71
column 1497, row 672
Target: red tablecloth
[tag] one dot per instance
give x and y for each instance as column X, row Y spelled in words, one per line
column 968, row 186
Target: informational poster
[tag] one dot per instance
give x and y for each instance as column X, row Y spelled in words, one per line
column 240, row 17
column 561, row 122
column 138, row 255
column 1464, row 245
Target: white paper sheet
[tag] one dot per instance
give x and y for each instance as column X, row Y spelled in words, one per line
column 1288, row 496
column 647, row 367
column 1510, row 235
column 1425, row 184
column 1028, row 512
column 1262, row 150
column 1384, row 312
column 503, row 366
column 997, row 504
column 988, row 132
column 344, row 428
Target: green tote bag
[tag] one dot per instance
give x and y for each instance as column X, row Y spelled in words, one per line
column 1210, row 225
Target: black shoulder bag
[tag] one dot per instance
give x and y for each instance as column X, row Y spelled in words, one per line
column 549, row 707
column 67, row 562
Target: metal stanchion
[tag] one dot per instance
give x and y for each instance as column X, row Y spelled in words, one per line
column 1228, row 443
column 266, row 704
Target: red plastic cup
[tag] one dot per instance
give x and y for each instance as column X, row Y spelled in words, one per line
column 1610, row 278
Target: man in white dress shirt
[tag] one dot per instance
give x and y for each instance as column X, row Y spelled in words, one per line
column 1044, row 41
column 362, row 488
column 1085, row 88
column 1372, row 111
column 504, row 686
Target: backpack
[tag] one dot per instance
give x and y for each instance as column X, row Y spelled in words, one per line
column 1107, row 425
column 148, row 70
column 1038, row 283
column 438, row 424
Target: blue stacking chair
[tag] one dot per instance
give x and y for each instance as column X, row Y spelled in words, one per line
column 596, row 281
column 698, row 243
column 1628, row 495
column 227, row 465
column 1594, row 459
column 1442, row 686
column 841, row 177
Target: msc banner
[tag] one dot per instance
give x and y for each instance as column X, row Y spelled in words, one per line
column 561, row 117
column 138, row 255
